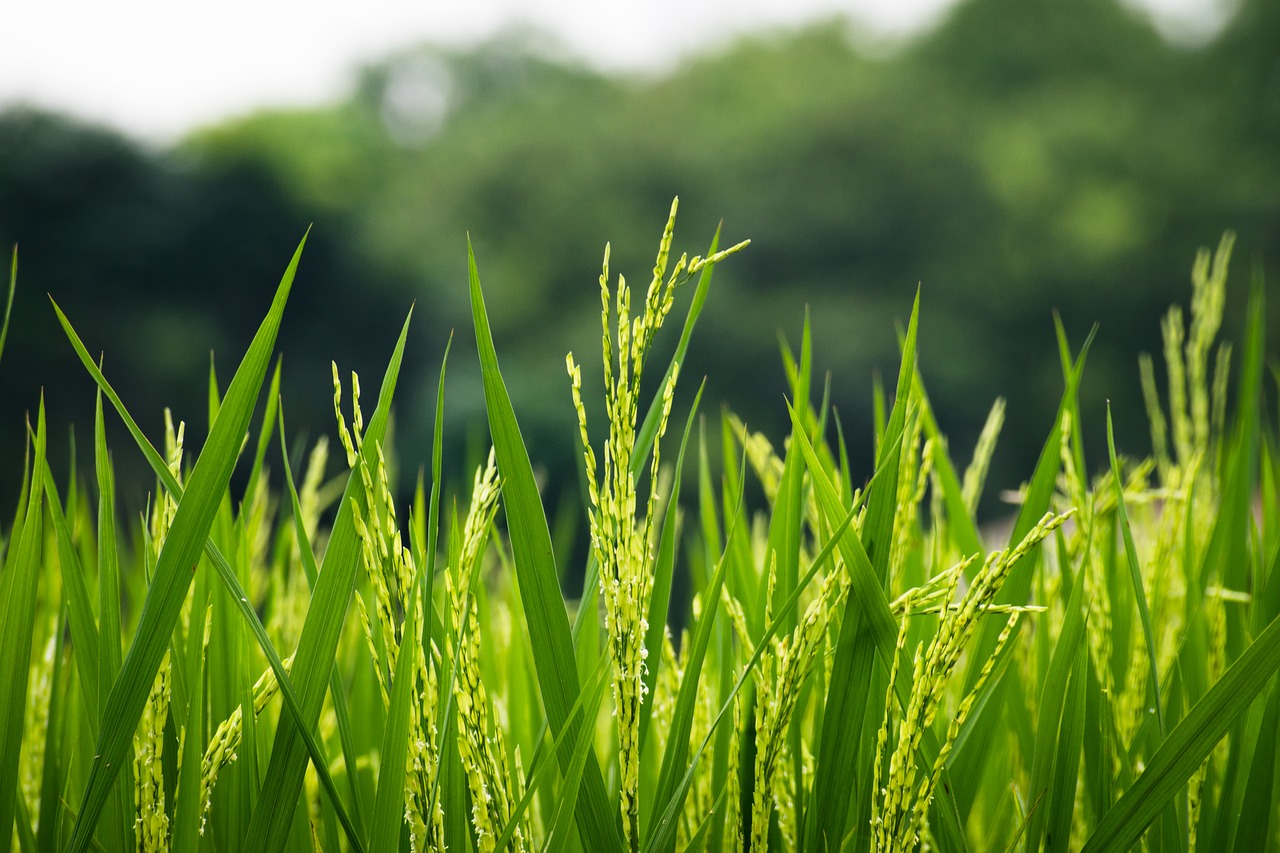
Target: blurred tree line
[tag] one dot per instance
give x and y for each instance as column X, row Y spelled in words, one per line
column 1020, row 158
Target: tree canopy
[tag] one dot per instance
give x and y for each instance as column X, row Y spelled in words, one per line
column 1020, row 158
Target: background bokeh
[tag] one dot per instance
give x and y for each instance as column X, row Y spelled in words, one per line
column 1014, row 160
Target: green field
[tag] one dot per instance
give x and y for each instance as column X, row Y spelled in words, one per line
column 307, row 664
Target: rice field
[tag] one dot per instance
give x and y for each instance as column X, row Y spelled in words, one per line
column 309, row 666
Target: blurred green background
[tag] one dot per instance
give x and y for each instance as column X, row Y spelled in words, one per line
column 1021, row 157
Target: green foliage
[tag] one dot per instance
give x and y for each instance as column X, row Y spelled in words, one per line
column 1015, row 156
column 843, row 668
column 149, row 251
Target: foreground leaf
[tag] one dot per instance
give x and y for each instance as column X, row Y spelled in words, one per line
column 18, row 588
column 1188, row 744
column 317, row 645
column 537, row 580
column 175, row 564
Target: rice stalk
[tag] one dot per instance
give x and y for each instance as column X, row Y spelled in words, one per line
column 151, row 830
column 392, row 571
column 225, row 742
column 481, row 745
column 622, row 544
column 899, row 810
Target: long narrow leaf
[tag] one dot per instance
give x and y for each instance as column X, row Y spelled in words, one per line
column 75, row 591
column 786, row 522
column 1135, row 575
column 120, row 808
column 557, row 838
column 586, row 707
column 1053, row 694
column 677, row 745
column 346, row 736
column 388, row 806
column 1066, row 771
column 537, row 578
column 971, row 760
column 54, row 764
column 18, row 589
column 1254, row 830
column 850, row 671
column 882, row 625
column 662, row 836
column 173, row 572
column 317, row 645
column 186, row 810
column 240, row 600
column 664, row 568
column 1187, row 745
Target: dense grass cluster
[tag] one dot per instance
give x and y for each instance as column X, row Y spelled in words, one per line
column 858, row 666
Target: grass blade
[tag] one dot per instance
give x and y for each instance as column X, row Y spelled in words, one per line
column 120, row 815
column 84, row 627
column 677, row 745
column 786, row 521
column 1034, row 505
column 1227, row 549
column 1135, row 574
column 960, row 525
column 664, row 568
column 173, row 572
column 1066, row 769
column 873, row 607
column 846, row 702
column 22, row 825
column 1053, row 694
column 18, row 589
column 537, row 578
column 1187, row 745
column 428, row 556
column 317, row 645
column 186, row 808
column 53, row 769
column 1254, row 829
column 388, row 806
column 662, row 836
column 240, row 600
column 587, row 705
column 346, row 735
column 970, row 758
column 558, row 837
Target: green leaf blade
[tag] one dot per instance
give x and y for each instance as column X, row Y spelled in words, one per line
column 313, row 661
column 1187, row 745
column 537, row 579
column 18, row 589
column 176, row 563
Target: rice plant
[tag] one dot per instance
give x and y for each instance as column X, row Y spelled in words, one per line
column 861, row 666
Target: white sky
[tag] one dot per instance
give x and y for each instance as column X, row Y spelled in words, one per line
column 156, row 68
